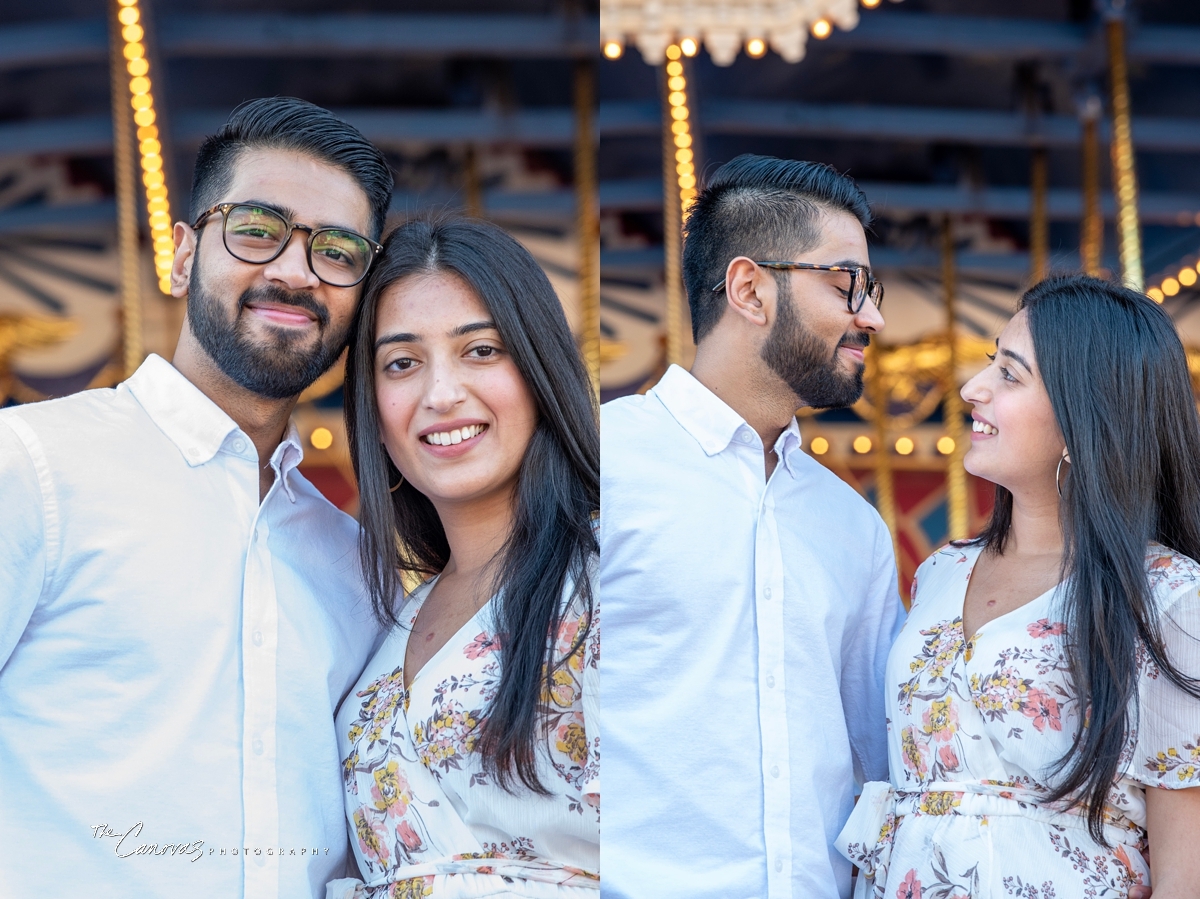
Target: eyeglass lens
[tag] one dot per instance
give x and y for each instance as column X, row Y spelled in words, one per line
column 254, row 234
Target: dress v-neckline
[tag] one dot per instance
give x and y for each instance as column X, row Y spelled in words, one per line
column 441, row 650
column 962, row 614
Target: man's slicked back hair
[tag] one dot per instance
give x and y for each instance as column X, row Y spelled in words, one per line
column 761, row 207
column 285, row 123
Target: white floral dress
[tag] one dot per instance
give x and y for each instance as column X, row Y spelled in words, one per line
column 425, row 819
column 975, row 728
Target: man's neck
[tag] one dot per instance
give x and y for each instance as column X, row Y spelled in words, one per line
column 765, row 403
column 263, row 420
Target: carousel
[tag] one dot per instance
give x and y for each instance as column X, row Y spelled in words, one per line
column 998, row 142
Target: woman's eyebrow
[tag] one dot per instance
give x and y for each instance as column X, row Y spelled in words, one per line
column 1016, row 356
column 472, row 327
column 401, row 337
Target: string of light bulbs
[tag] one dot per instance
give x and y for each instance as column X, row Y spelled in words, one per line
column 150, row 146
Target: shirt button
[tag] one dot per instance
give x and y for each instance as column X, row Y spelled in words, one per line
column 774, row 770
column 746, row 438
column 770, row 677
column 258, row 638
column 258, row 747
column 260, row 861
column 767, row 592
column 239, row 445
column 778, row 864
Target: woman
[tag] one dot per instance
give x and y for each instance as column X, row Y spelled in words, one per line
column 1043, row 709
column 470, row 744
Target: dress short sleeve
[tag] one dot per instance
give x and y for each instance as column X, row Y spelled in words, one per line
column 1167, row 747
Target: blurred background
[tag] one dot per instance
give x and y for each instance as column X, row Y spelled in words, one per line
column 997, row 140
column 481, row 106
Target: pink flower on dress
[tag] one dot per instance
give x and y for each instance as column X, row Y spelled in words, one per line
column 408, row 836
column 1043, row 709
column 911, row 887
column 481, row 646
column 1043, row 627
column 948, row 758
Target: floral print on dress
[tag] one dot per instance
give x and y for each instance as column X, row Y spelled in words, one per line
column 976, row 726
column 411, row 760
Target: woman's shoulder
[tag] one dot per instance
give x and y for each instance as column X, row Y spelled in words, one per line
column 949, row 559
column 1174, row 577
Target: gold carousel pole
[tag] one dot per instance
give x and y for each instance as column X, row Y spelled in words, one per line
column 588, row 212
column 474, row 190
column 124, row 165
column 1129, row 241
column 1039, row 238
column 1091, row 237
column 952, row 411
column 885, row 488
column 672, row 218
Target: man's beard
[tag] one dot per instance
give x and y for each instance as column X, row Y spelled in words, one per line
column 279, row 368
column 803, row 361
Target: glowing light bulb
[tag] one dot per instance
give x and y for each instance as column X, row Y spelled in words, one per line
column 756, row 48
column 821, row 29
column 1155, row 294
column 689, row 46
column 862, row 444
column 128, row 15
column 321, row 438
column 1187, row 276
column 613, row 49
column 1170, row 287
column 905, row 445
column 674, row 69
column 673, row 52
column 819, row 446
column 945, row 445
column 870, row 4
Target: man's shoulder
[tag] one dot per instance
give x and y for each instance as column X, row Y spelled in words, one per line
column 834, row 495
column 77, row 417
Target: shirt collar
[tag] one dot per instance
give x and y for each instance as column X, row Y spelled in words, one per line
column 712, row 423
column 192, row 421
column 195, row 424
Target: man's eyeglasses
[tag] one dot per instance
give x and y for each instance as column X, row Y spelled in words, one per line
column 863, row 285
column 259, row 234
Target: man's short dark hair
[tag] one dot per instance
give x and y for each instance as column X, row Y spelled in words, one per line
column 761, row 207
column 285, row 123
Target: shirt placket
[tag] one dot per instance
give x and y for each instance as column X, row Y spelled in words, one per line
column 260, row 620
column 772, row 706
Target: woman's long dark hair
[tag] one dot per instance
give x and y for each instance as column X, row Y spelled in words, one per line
column 1118, row 382
column 558, row 487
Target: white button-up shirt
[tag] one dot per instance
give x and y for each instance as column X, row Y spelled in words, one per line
column 172, row 652
column 749, row 622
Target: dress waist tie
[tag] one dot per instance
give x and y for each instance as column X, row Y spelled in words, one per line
column 869, row 833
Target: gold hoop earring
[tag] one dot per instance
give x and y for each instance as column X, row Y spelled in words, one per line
column 1058, row 471
column 397, row 487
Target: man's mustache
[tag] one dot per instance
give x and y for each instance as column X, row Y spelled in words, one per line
column 858, row 338
column 278, row 296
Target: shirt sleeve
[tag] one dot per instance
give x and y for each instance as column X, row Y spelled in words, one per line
column 1167, row 747
column 865, row 647
column 23, row 528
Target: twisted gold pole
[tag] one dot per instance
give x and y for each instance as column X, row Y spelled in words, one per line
column 1039, row 232
column 1091, row 238
column 672, row 232
column 588, row 213
column 1129, row 240
column 952, row 410
column 885, row 488
column 124, row 169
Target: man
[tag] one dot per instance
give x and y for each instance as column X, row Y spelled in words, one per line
column 750, row 594
column 181, row 611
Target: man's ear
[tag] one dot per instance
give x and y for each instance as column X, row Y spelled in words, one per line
column 185, row 256
column 750, row 291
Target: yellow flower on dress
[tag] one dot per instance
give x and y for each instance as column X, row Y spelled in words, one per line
column 573, row 742
column 940, row 802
